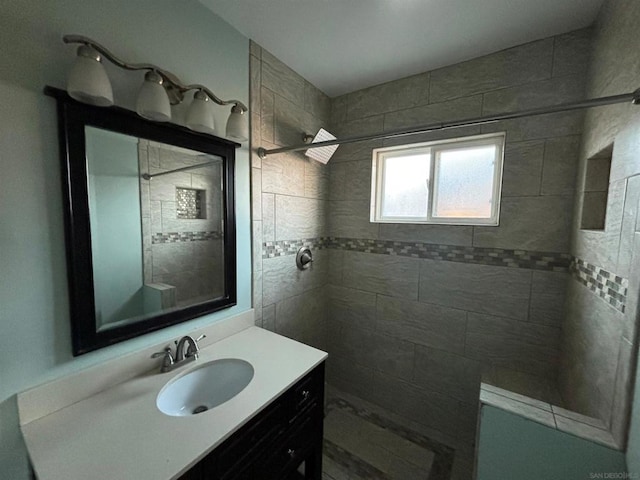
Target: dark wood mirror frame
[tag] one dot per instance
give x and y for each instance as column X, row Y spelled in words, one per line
column 73, row 117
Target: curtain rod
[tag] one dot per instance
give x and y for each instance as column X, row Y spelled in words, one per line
column 633, row 97
column 149, row 176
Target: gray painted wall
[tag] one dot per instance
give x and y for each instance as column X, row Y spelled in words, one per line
column 600, row 342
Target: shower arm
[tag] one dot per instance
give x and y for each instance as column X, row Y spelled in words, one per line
column 633, row 97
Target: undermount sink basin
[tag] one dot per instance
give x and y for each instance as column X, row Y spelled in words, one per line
column 205, row 387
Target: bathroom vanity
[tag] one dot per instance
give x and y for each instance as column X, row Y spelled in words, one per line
column 79, row 427
column 284, row 441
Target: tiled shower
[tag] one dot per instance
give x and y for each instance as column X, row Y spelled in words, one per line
column 415, row 316
column 181, row 224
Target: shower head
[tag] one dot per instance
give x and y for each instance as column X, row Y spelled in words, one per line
column 321, row 154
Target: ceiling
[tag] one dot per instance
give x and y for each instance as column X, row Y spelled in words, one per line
column 345, row 45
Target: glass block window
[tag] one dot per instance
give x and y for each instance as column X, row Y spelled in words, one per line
column 189, row 203
column 453, row 182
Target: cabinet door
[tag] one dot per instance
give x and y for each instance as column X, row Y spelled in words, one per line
column 194, row 473
column 293, row 449
column 234, row 456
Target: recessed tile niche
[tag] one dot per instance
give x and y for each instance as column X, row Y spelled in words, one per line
column 596, row 190
column 189, row 203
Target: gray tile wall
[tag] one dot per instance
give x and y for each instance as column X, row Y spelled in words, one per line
column 599, row 341
column 289, row 201
column 415, row 334
column 182, row 253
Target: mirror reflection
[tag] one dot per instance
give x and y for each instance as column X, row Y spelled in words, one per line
column 157, row 227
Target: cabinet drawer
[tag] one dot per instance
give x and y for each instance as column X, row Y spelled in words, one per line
column 307, row 392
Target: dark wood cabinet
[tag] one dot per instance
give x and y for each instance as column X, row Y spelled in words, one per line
column 283, row 442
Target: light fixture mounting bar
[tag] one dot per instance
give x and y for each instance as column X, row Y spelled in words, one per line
column 174, row 87
column 633, row 97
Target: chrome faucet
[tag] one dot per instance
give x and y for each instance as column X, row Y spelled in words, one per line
column 169, row 362
column 192, row 348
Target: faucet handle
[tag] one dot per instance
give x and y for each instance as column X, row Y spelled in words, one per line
column 192, row 348
column 167, row 361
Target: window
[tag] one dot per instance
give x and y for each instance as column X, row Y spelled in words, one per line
column 454, row 182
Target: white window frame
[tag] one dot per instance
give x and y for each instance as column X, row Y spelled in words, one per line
column 434, row 149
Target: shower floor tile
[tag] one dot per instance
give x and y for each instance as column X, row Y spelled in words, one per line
column 362, row 445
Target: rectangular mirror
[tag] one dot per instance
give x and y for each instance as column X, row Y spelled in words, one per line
column 150, row 222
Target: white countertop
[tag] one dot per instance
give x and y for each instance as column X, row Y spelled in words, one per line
column 120, row 433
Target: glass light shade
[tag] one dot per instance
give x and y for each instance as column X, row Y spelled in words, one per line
column 153, row 102
column 88, row 81
column 237, row 125
column 200, row 113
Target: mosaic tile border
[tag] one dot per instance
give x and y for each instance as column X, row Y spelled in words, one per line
column 282, row 248
column 443, row 454
column 610, row 287
column 177, row 237
column 352, row 463
column 556, row 262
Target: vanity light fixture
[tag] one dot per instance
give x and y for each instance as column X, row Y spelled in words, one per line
column 237, row 123
column 88, row 83
column 153, row 102
column 200, row 114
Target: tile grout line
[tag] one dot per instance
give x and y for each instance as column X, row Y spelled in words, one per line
column 544, row 155
column 530, row 302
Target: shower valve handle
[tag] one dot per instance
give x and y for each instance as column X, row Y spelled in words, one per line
column 304, row 258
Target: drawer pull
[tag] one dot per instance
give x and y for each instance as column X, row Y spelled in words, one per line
column 305, row 394
column 291, row 452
